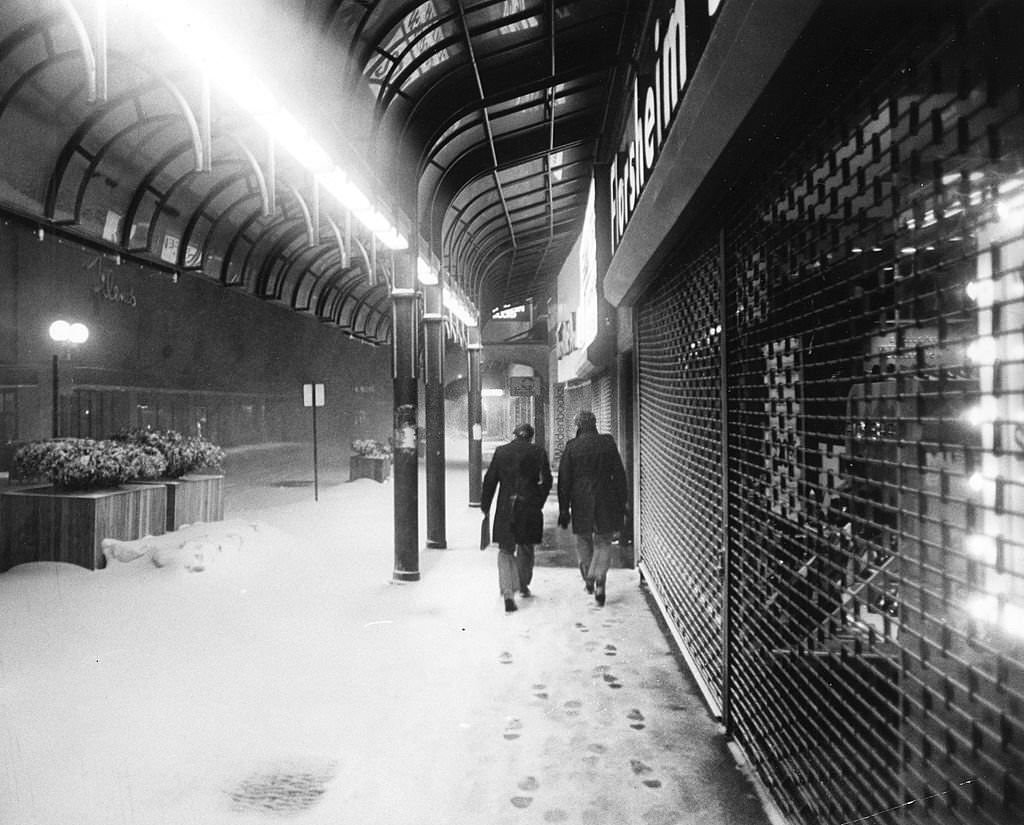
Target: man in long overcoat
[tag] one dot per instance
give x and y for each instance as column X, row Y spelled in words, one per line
column 592, row 494
column 523, row 472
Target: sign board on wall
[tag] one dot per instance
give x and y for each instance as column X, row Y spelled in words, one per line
column 656, row 98
column 511, row 313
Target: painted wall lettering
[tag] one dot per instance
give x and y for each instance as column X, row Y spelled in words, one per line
column 110, row 291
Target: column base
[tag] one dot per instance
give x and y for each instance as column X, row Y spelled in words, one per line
column 437, row 545
column 406, row 576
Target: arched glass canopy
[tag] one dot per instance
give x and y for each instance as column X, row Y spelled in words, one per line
column 472, row 126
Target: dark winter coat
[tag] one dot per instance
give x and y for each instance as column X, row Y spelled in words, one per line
column 592, row 484
column 523, row 471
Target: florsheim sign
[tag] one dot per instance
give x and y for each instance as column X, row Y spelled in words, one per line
column 656, row 98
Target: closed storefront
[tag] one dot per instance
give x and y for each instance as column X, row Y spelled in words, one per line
column 679, row 482
column 830, row 397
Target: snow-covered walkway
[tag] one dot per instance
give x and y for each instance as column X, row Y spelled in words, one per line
column 291, row 679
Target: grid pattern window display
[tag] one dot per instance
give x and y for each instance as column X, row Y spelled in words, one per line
column 679, row 480
column 874, row 279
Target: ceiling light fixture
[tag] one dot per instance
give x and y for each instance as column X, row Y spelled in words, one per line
column 185, row 27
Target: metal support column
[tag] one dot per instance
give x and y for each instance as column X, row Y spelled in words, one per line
column 475, row 407
column 433, row 346
column 404, row 454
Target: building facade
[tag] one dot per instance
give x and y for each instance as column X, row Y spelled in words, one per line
column 168, row 352
column 819, row 268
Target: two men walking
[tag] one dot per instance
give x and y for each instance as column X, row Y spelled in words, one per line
column 592, row 496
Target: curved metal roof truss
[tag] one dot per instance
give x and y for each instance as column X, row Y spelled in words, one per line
column 484, row 117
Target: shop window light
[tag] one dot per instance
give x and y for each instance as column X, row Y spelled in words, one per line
column 981, row 547
column 980, row 291
column 982, row 413
column 982, row 484
column 1009, row 187
column 998, row 584
column 983, row 351
column 985, row 608
column 1011, row 213
column 1013, row 619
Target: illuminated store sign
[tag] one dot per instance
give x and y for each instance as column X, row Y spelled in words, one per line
column 586, row 318
column 510, row 313
column 655, row 101
column 577, row 287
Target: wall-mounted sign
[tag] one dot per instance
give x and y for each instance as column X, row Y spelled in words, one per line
column 169, row 251
column 516, row 313
column 112, row 226
column 586, row 316
column 656, row 100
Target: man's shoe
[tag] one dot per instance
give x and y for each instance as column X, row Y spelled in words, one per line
column 526, row 592
column 590, row 587
column 599, row 596
column 510, row 606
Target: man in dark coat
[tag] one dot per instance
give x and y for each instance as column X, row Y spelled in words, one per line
column 523, row 471
column 592, row 494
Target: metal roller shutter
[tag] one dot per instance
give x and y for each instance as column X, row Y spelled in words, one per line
column 679, row 482
column 874, row 279
column 602, row 392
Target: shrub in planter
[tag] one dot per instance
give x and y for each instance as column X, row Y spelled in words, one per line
column 372, row 459
column 371, row 448
column 85, row 463
column 203, row 455
column 151, row 462
column 181, row 454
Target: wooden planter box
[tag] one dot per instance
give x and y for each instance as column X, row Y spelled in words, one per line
column 193, row 498
column 365, row 466
column 43, row 524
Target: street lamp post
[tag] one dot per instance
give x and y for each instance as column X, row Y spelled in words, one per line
column 66, row 334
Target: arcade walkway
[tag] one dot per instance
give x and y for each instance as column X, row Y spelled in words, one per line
column 560, row 712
